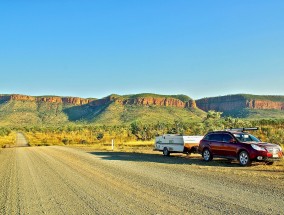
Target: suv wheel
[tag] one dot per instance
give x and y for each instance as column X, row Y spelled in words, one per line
column 166, row 152
column 244, row 158
column 207, row 155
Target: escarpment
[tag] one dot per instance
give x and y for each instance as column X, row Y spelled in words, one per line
column 48, row 99
column 146, row 101
column 238, row 102
column 139, row 100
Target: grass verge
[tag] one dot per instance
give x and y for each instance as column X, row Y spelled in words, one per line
column 8, row 140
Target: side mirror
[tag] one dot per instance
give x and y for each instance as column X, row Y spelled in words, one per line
column 232, row 140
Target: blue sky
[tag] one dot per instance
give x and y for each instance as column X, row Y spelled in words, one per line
column 91, row 48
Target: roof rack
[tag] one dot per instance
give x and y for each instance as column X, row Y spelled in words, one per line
column 242, row 129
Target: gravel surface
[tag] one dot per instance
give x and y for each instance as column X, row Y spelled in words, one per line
column 62, row 180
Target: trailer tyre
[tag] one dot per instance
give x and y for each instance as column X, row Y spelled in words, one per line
column 166, row 152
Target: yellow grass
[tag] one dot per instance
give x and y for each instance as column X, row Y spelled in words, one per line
column 133, row 146
column 8, row 141
column 82, row 138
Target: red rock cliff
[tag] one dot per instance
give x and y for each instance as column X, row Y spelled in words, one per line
column 145, row 101
column 236, row 102
column 76, row 100
column 49, row 99
column 156, row 101
column 19, row 97
column 262, row 104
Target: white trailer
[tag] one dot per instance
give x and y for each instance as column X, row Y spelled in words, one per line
column 169, row 143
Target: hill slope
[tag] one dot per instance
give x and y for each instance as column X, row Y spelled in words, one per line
column 147, row 108
column 111, row 110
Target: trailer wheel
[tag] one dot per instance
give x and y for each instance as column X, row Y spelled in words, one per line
column 166, row 152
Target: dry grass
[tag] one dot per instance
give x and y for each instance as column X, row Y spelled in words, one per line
column 84, row 137
column 41, row 139
column 133, row 146
column 8, row 141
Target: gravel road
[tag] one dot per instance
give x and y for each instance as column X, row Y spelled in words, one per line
column 21, row 140
column 63, row 180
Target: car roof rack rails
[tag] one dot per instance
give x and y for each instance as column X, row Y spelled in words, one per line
column 242, row 129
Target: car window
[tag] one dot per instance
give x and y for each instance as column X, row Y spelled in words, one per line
column 207, row 137
column 227, row 137
column 216, row 137
column 246, row 137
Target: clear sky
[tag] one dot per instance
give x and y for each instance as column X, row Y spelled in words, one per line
column 93, row 48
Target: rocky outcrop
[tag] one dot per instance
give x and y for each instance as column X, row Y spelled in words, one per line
column 146, row 101
column 155, row 101
column 222, row 104
column 236, row 102
column 76, row 100
column 260, row 104
column 48, row 99
column 19, row 97
column 191, row 104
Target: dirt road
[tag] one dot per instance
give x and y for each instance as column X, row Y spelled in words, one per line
column 62, row 180
column 21, row 140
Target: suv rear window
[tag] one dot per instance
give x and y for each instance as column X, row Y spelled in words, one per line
column 216, row 137
column 227, row 137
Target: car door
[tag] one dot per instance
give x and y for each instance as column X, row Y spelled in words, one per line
column 216, row 143
column 229, row 147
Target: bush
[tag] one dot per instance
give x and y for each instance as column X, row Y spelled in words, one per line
column 65, row 141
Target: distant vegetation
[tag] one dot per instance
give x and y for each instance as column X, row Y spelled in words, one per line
column 255, row 114
column 269, row 130
column 274, row 98
column 183, row 98
column 115, row 114
column 264, row 97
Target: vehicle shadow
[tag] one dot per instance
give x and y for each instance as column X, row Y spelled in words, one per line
column 157, row 158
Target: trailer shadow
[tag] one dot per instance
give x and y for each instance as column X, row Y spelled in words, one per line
column 157, row 158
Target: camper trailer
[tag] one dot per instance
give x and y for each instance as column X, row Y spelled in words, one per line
column 169, row 143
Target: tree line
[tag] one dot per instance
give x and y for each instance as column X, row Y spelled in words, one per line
column 270, row 130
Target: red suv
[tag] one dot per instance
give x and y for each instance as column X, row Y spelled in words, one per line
column 237, row 144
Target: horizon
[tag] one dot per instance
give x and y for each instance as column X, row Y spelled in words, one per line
column 70, row 96
column 94, row 49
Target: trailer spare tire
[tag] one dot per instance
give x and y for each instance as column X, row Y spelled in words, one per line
column 166, row 152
